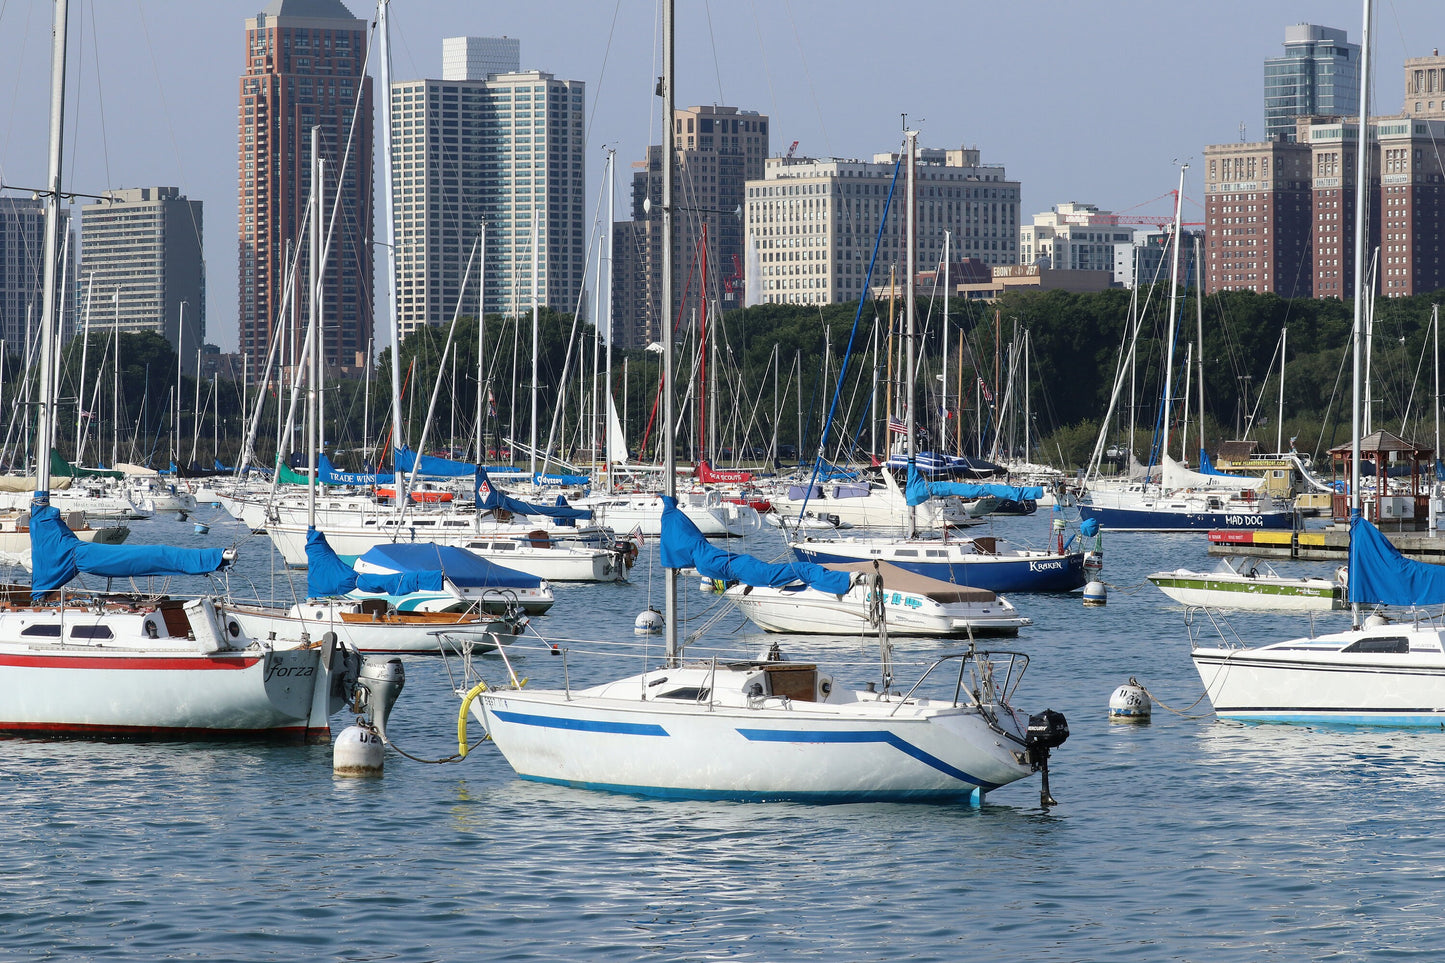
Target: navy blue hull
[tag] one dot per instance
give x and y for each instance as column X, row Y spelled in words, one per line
column 996, row 574
column 1146, row 520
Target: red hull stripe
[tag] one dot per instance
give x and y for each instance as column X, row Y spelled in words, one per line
column 283, row 733
column 109, row 662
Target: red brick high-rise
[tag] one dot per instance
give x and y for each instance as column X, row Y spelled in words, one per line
column 304, row 69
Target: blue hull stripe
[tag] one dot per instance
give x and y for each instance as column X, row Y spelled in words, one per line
column 888, row 738
column 580, row 725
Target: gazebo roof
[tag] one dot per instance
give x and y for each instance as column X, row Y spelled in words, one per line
column 1383, row 443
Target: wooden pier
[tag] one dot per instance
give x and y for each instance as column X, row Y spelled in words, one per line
column 1320, row 545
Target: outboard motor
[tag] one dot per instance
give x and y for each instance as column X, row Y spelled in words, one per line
column 377, row 686
column 1047, row 730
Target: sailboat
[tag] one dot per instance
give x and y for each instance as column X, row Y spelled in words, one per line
column 1381, row 672
column 766, row 728
column 76, row 664
column 979, row 562
column 1183, row 500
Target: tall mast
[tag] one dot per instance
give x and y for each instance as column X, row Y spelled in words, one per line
column 942, row 447
column 536, row 336
column 313, row 334
column 910, row 142
column 1173, row 311
column 609, row 239
column 481, row 346
column 50, row 304
column 399, row 478
column 669, row 453
column 1199, row 340
column 1362, row 180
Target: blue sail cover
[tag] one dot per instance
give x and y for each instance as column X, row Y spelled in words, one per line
column 492, row 498
column 1206, row 467
column 421, row 566
column 327, row 473
column 57, row 556
column 326, row 574
column 919, row 491
column 934, row 464
column 431, row 466
column 683, row 545
column 1380, row 575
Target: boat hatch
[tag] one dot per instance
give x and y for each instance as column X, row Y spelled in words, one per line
column 1378, row 645
column 687, row 693
column 906, row 553
column 797, row 682
column 46, row 631
column 91, row 632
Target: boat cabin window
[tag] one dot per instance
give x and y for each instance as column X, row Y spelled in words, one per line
column 906, row 553
column 91, row 632
column 689, row 693
column 1391, row 645
column 43, row 631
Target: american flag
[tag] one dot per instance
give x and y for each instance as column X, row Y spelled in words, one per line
column 988, row 395
column 491, row 404
column 897, row 426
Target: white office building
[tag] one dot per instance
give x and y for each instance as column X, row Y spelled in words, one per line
column 815, row 221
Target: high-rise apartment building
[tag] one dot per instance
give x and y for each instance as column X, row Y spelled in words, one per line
column 1319, row 75
column 1072, row 237
column 719, row 149
column 304, row 62
column 1258, row 206
column 141, row 262
column 1335, row 150
column 22, row 274
column 500, row 149
column 476, row 58
column 815, row 221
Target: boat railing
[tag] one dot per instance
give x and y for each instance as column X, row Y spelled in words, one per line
column 1195, row 627
column 987, row 677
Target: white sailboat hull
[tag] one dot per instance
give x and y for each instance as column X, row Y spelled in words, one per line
column 384, row 635
column 1322, row 680
column 801, row 610
column 779, row 750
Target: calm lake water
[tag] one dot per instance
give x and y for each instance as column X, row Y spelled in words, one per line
column 1187, row 839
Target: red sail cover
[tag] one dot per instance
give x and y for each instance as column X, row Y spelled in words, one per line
column 706, row 473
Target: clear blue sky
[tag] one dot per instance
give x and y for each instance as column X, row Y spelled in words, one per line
column 1080, row 101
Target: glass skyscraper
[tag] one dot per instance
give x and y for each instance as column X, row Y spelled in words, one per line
column 1319, row 74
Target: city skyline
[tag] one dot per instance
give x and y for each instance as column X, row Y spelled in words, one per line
column 1025, row 88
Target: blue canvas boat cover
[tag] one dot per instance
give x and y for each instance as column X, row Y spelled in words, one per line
column 1206, row 467
column 1380, row 575
column 57, row 556
column 432, row 466
column 683, row 546
column 326, row 574
column 426, row 563
column 920, row 491
column 490, row 497
column 328, row 473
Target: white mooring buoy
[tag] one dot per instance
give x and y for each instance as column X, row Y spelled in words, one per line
column 358, row 752
column 1130, row 703
column 648, row 623
column 1095, row 593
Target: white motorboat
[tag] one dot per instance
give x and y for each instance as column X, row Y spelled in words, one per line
column 909, row 604
column 641, row 512
column 1251, row 584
